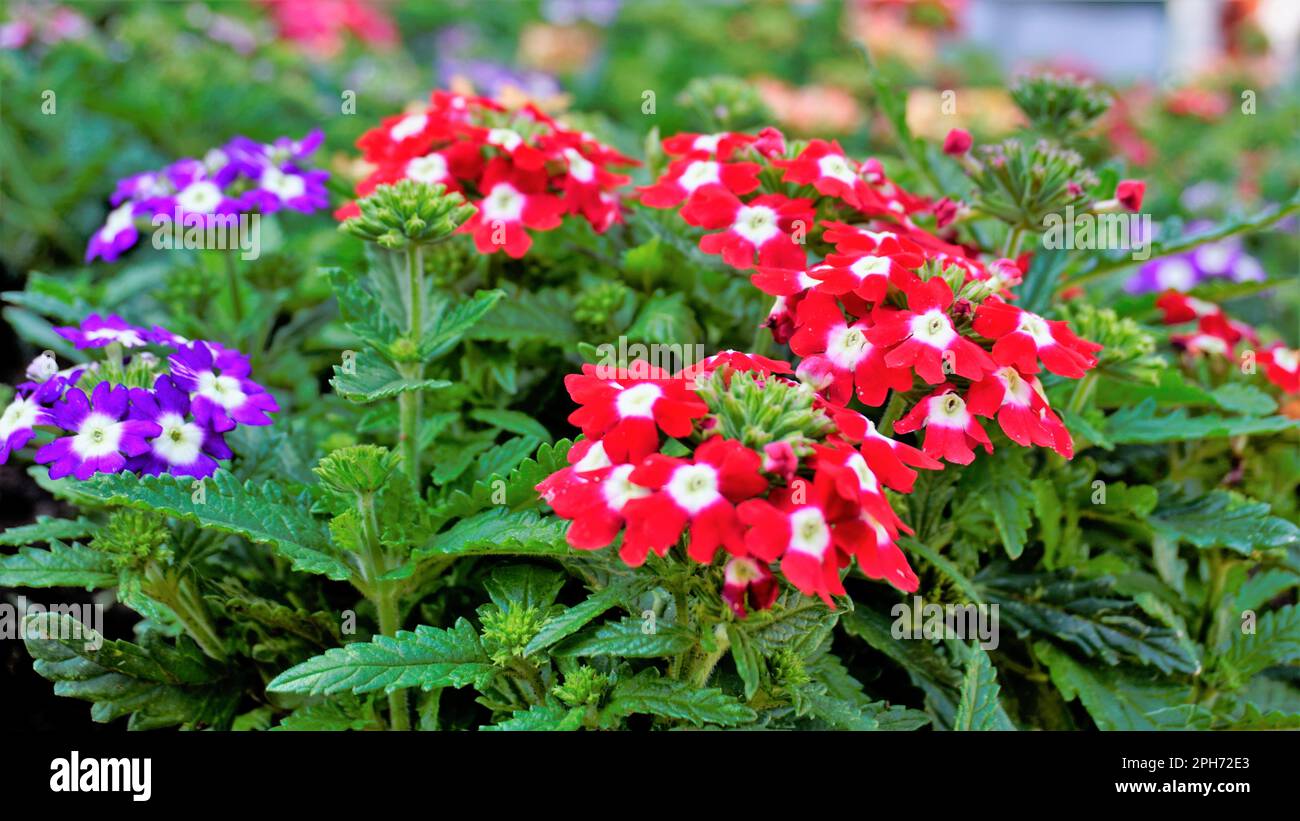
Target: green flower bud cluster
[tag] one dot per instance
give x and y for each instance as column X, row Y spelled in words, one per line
column 756, row 411
column 408, row 213
column 1129, row 349
column 133, row 538
column 1022, row 184
column 584, row 686
column 507, row 632
column 359, row 469
column 726, row 103
column 1060, row 105
column 595, row 306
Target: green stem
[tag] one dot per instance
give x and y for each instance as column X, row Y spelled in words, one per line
column 409, row 402
column 1082, row 391
column 232, row 280
column 702, row 666
column 383, row 596
column 1012, row 246
column 184, row 601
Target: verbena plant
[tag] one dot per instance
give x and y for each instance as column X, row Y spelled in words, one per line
column 900, row 395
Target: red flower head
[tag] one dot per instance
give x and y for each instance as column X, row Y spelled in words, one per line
column 513, row 200
column 868, row 274
column 1178, row 307
column 1215, row 334
column 698, row 172
column 597, row 506
column 626, row 410
column 799, row 532
column 839, row 356
column 748, row 582
column 1282, row 367
column 764, row 227
column 770, row 142
column 924, row 338
column 1130, row 193
column 957, row 142
column 824, row 166
column 734, row 361
column 889, row 459
column 1023, row 338
column 1021, row 410
column 950, row 429
column 702, row 493
column 720, row 146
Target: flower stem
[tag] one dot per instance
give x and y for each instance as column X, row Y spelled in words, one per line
column 232, row 279
column 409, row 402
column 383, row 594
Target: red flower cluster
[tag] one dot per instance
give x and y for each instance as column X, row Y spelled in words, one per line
column 812, row 500
column 1217, row 334
column 879, row 309
column 523, row 170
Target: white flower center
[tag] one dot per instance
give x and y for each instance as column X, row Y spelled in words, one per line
column 1214, row 259
column 408, row 126
column 700, row 172
column 200, row 197
column 285, row 186
column 707, row 142
column 694, row 487
column 1286, row 359
column 180, row 441
column 948, row 411
column 594, row 459
column 1017, row 389
column 866, row 479
column 1037, row 328
column 427, row 169
column 756, row 223
column 504, row 203
column 638, row 401
column 224, row 390
column 99, row 436
column 20, row 415
column 933, row 328
column 870, row 266
column 580, row 168
column 1176, row 273
column 119, row 219
column 506, row 138
column 846, row 346
column 837, row 167
column 128, row 338
column 809, row 532
column 619, row 490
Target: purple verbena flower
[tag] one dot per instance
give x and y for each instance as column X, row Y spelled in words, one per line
column 116, row 236
column 221, row 393
column 101, row 436
column 99, row 332
column 17, row 422
column 183, row 448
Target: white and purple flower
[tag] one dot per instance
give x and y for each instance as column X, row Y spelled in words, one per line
column 101, row 436
column 221, row 393
column 99, row 332
column 183, row 448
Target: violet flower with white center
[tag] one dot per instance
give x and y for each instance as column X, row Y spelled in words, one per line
column 116, row 236
column 17, row 423
column 221, row 393
column 284, row 188
column 183, row 448
column 101, row 437
column 99, row 332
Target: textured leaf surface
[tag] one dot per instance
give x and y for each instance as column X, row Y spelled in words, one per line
column 60, row 566
column 980, row 707
column 648, row 693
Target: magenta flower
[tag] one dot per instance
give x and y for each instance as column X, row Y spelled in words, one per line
column 101, row 434
column 99, row 332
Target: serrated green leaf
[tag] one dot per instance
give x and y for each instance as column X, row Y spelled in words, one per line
column 1275, row 640
column 575, row 618
column 1113, row 700
column 748, row 663
column 524, row 586
column 501, row 532
column 426, row 658
column 446, row 325
column 1220, row 519
column 647, row 693
column 48, row 528
column 260, row 514
column 157, row 688
column 979, row 707
column 371, row 379
column 61, row 565
column 552, row 716
column 1142, row 424
column 628, row 638
column 513, row 421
